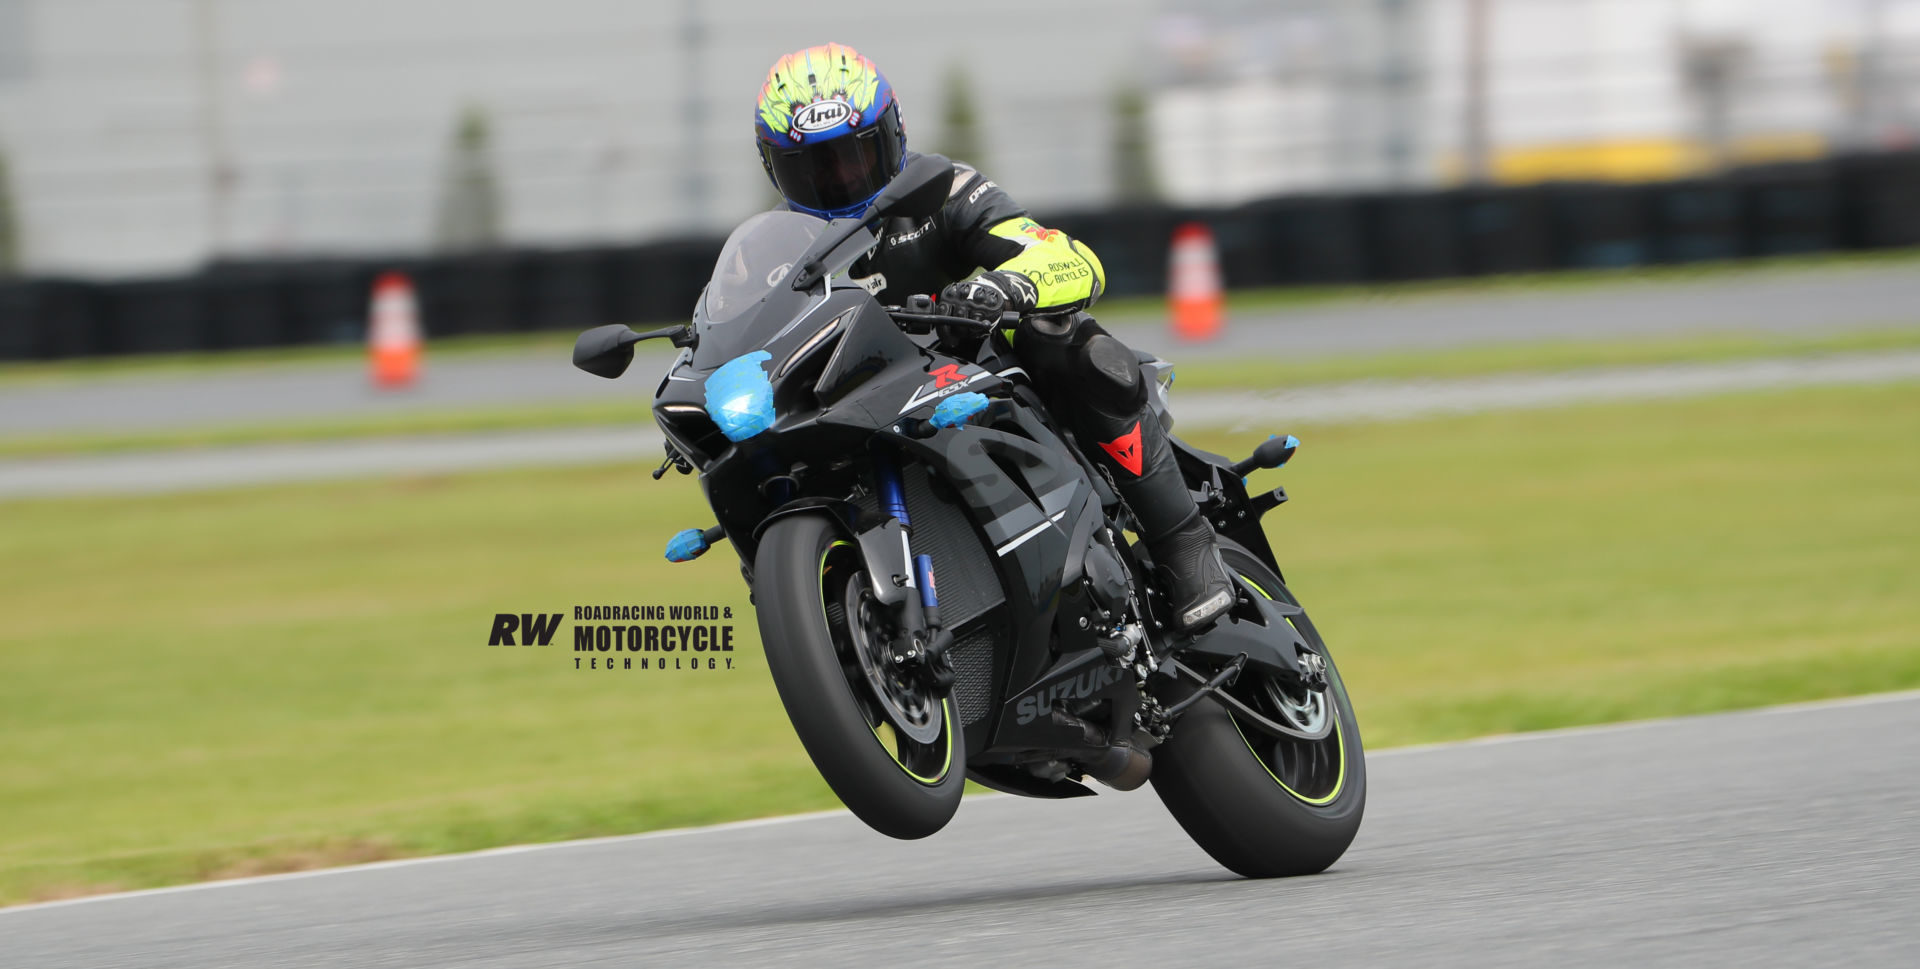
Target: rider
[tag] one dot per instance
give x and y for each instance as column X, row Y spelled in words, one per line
column 830, row 137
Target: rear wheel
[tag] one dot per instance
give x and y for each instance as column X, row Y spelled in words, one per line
column 1260, row 805
column 885, row 743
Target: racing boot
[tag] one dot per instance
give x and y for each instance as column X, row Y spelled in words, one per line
column 1095, row 382
column 1136, row 453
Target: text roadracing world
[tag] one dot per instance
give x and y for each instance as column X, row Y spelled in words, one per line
column 688, row 635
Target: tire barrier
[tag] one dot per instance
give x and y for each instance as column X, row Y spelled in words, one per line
column 1695, row 220
column 1846, row 203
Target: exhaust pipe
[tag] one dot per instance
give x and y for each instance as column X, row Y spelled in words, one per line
column 1122, row 765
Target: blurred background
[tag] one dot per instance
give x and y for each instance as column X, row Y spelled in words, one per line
column 1597, row 318
column 240, row 142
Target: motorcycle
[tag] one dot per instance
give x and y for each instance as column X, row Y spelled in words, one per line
column 853, row 453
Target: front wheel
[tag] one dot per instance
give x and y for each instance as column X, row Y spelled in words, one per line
column 1266, row 807
column 886, row 744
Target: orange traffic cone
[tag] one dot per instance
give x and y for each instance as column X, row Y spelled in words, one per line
column 394, row 342
column 1194, row 298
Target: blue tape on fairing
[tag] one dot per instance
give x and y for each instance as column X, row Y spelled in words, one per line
column 740, row 396
column 958, row 409
column 686, row 546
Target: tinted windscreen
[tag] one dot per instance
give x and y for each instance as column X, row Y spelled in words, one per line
column 758, row 256
column 754, row 271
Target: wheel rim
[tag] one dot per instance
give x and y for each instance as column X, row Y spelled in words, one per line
column 876, row 685
column 1313, row 771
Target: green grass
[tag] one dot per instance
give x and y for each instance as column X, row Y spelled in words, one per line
column 589, row 413
column 1255, row 374
column 1554, row 281
column 208, row 684
column 15, row 374
column 1532, row 358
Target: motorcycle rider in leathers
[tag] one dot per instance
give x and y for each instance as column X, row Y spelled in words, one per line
column 829, row 132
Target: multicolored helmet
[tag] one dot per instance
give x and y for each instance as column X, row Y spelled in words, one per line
column 829, row 131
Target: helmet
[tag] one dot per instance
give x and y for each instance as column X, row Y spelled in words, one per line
column 829, row 131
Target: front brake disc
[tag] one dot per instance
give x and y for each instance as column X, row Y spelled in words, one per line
column 894, row 686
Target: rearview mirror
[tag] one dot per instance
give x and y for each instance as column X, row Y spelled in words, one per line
column 919, row 190
column 605, row 351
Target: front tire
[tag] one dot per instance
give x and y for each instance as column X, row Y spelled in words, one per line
column 1262, row 807
column 806, row 583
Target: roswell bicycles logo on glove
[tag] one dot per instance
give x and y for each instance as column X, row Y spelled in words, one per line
column 629, row 637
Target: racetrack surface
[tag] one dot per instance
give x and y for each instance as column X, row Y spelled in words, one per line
column 1781, row 837
column 1832, row 299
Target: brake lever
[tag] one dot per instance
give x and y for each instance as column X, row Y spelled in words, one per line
column 926, row 321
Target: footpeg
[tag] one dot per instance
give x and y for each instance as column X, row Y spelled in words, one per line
column 1220, row 679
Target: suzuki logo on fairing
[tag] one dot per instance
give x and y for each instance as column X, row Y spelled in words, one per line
column 1078, row 688
column 947, row 379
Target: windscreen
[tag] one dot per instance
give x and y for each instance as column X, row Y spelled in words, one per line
column 760, row 255
column 750, row 300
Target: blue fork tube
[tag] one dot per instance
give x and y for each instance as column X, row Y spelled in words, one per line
column 893, row 499
column 929, row 599
column 893, row 495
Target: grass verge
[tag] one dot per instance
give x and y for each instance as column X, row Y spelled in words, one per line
column 200, row 685
column 1204, row 375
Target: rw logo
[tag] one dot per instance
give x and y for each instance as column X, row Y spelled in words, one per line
column 535, row 629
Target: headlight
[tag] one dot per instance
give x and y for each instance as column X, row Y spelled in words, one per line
column 740, row 397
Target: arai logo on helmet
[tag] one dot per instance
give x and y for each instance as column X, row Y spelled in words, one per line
column 822, row 116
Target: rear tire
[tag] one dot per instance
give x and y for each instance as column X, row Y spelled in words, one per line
column 1237, row 804
column 899, row 787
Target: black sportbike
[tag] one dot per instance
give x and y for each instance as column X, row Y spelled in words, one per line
column 852, row 452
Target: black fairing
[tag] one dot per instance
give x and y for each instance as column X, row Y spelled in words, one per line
column 1004, row 505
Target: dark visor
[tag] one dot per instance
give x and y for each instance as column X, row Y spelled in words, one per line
column 832, row 174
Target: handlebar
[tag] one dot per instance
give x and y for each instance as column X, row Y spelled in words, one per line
column 919, row 316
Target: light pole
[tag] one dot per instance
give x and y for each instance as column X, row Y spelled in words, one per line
column 220, row 174
column 1474, row 136
column 693, row 160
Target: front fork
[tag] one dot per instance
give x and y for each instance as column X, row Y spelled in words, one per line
column 919, row 615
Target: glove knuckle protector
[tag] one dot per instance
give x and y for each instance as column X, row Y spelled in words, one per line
column 986, row 296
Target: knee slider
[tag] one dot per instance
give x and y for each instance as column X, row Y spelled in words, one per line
column 1113, row 376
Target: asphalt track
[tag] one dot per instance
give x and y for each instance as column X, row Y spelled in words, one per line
column 1835, row 298
column 1782, row 837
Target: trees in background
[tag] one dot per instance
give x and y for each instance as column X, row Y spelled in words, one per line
column 9, row 222
column 470, row 210
column 960, row 137
column 1133, row 175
